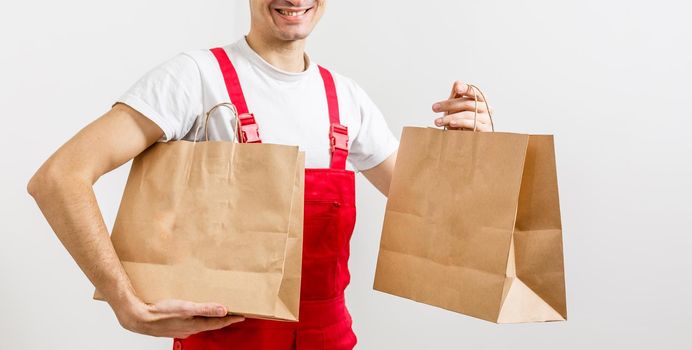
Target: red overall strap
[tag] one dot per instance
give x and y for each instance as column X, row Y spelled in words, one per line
column 338, row 134
column 248, row 132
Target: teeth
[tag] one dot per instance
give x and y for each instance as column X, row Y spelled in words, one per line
column 292, row 13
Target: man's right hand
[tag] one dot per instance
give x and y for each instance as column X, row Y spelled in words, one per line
column 174, row 318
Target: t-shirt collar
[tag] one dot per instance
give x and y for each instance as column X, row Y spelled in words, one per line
column 271, row 70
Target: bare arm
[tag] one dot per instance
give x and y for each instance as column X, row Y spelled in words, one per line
column 62, row 188
column 381, row 175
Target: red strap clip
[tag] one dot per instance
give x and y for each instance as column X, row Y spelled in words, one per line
column 338, row 135
column 249, row 131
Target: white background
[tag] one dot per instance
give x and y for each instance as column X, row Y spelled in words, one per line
column 610, row 79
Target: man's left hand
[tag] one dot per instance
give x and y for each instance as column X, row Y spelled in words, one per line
column 459, row 109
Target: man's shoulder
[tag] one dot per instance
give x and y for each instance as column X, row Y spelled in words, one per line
column 345, row 84
column 205, row 55
column 196, row 55
column 183, row 61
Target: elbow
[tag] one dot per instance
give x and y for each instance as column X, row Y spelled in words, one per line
column 44, row 179
column 38, row 182
column 31, row 186
column 52, row 176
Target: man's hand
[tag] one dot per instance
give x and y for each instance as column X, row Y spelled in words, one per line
column 460, row 109
column 174, row 318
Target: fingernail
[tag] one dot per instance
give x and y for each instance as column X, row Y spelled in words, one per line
column 220, row 311
column 438, row 121
column 436, row 107
column 452, row 123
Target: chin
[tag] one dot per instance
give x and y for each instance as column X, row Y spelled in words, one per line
column 292, row 35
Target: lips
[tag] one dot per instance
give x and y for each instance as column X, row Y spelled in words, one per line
column 293, row 13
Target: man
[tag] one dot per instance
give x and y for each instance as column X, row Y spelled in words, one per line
column 294, row 102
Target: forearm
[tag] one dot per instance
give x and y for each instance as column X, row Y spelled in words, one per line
column 63, row 189
column 69, row 204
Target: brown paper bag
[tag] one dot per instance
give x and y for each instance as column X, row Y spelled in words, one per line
column 472, row 225
column 215, row 221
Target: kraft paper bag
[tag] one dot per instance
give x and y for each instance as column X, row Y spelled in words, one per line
column 215, row 221
column 472, row 225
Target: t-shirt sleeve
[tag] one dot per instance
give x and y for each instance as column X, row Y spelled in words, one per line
column 170, row 95
column 374, row 142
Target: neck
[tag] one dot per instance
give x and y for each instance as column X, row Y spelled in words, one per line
column 286, row 55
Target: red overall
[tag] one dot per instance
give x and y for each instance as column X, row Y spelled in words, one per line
column 330, row 215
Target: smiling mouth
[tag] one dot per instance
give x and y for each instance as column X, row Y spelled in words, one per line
column 289, row 13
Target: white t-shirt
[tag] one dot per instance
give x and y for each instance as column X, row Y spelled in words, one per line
column 290, row 108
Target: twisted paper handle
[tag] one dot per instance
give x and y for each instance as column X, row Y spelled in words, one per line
column 208, row 114
column 477, row 91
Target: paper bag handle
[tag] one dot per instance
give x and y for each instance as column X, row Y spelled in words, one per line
column 228, row 105
column 475, row 89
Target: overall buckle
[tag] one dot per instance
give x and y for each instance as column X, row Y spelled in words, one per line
column 249, row 130
column 338, row 136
